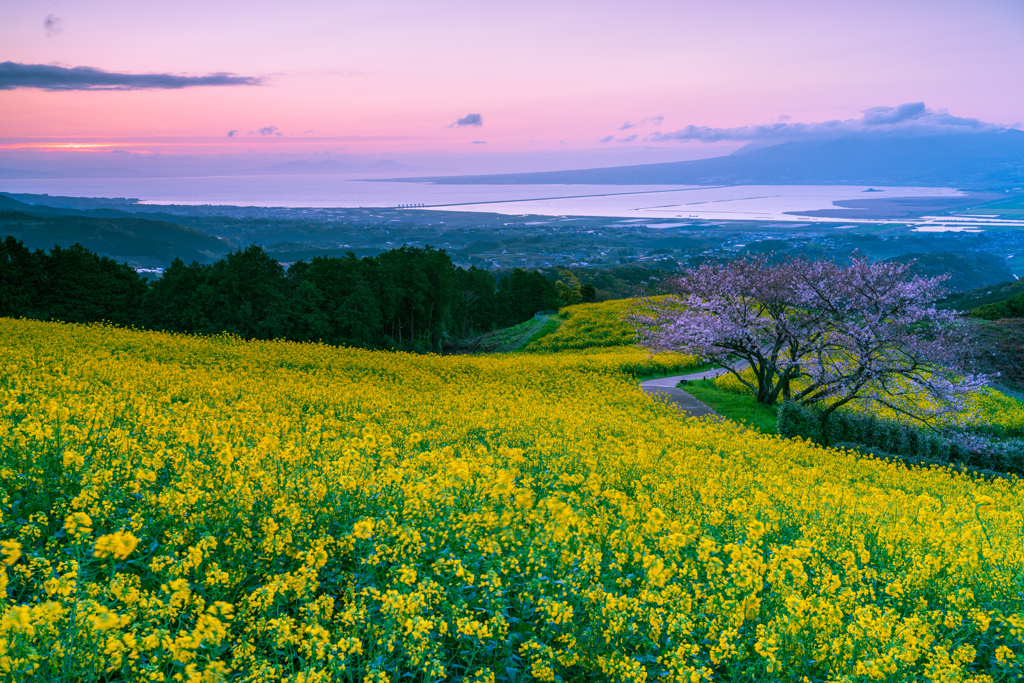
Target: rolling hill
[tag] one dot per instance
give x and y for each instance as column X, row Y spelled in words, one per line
column 140, row 242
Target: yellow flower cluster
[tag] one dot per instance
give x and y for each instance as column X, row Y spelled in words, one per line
column 590, row 325
column 118, row 545
column 993, row 408
column 207, row 509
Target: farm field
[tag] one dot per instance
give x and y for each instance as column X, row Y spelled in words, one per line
column 209, row 509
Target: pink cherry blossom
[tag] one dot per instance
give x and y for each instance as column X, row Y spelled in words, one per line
column 820, row 333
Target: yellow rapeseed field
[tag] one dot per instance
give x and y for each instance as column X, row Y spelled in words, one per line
column 189, row 509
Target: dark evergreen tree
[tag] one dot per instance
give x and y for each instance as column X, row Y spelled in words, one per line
column 172, row 301
column 79, row 286
column 245, row 293
column 21, row 280
column 409, row 298
column 523, row 293
column 349, row 309
column 425, row 284
column 475, row 307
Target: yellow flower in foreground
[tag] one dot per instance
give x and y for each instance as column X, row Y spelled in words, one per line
column 103, row 619
column 78, row 523
column 363, row 528
column 119, row 545
column 984, row 503
column 11, row 550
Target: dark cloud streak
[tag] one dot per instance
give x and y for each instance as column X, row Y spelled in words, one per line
column 56, row 78
column 649, row 121
column 912, row 118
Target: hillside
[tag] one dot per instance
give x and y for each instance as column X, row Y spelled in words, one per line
column 1012, row 307
column 987, row 294
column 139, row 241
column 967, row 271
column 9, row 204
column 588, row 326
column 509, row 518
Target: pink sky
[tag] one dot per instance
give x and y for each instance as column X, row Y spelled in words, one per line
column 389, row 77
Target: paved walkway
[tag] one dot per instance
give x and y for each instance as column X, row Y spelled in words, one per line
column 688, row 404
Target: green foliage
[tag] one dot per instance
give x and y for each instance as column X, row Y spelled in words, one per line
column 522, row 293
column 70, row 284
column 796, row 420
column 1008, row 308
column 980, row 296
column 891, row 439
column 568, row 287
column 408, row 298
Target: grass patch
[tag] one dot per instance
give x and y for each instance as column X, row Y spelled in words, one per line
column 553, row 323
column 738, row 408
column 492, row 342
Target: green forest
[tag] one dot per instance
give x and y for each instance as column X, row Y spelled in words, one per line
column 408, row 298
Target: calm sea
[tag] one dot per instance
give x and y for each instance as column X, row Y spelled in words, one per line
column 743, row 202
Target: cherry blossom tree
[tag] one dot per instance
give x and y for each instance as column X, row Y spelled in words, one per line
column 819, row 333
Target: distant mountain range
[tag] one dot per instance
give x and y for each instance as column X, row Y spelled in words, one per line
column 972, row 160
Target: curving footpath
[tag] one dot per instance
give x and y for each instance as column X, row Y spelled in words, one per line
column 516, row 343
column 688, row 404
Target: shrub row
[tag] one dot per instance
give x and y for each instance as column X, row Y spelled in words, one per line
column 887, row 438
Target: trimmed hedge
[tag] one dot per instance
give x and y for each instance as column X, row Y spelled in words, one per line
column 886, row 438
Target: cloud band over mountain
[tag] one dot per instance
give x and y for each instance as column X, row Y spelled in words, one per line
column 46, row 77
column 910, row 119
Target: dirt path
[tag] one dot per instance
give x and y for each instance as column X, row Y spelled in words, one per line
column 684, row 401
column 516, row 343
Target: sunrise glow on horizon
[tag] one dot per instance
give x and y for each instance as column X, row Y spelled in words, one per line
column 408, row 78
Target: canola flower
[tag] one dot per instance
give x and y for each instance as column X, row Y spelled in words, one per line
column 593, row 325
column 175, row 508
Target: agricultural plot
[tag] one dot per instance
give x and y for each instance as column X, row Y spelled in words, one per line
column 209, row 509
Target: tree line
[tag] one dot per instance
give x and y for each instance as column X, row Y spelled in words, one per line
column 408, row 298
